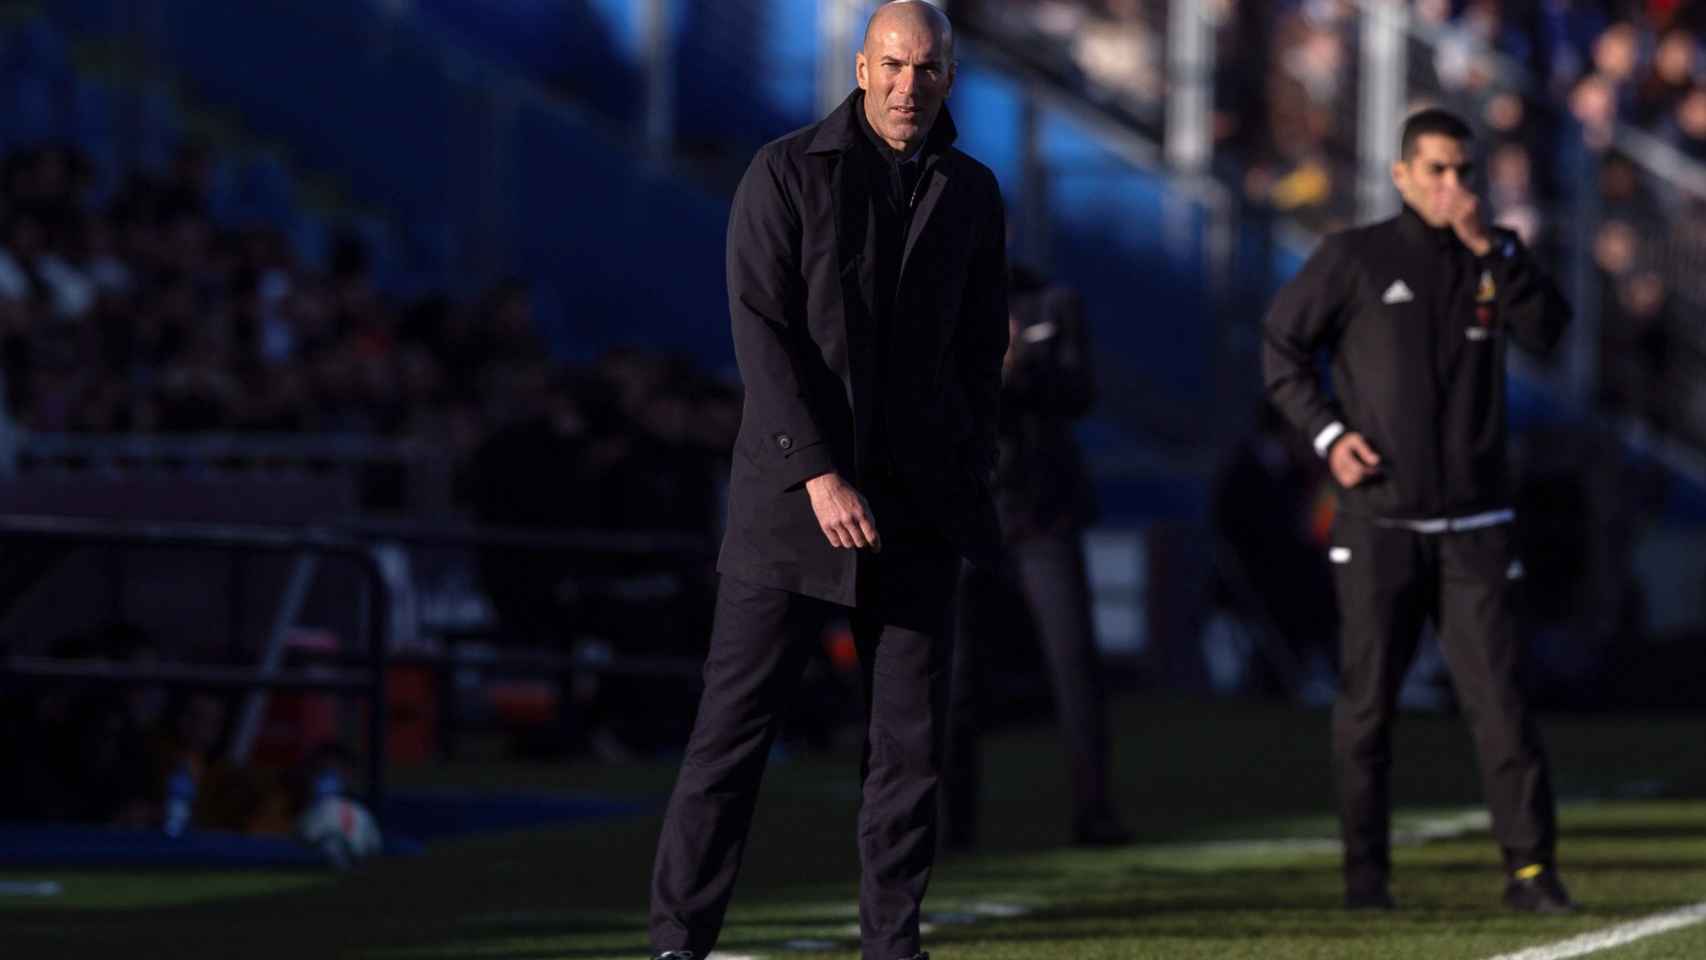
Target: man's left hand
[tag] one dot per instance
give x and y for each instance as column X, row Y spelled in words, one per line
column 1469, row 226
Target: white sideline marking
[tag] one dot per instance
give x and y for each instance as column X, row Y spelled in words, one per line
column 853, row 930
column 31, row 888
column 1613, row 936
column 1444, row 828
column 1286, row 845
column 999, row 910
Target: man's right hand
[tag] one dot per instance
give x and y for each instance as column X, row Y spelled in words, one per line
column 1353, row 460
column 843, row 513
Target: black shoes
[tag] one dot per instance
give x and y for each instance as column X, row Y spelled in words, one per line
column 1537, row 889
column 1533, row 889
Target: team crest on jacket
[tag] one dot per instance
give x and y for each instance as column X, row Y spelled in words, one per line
column 1486, row 311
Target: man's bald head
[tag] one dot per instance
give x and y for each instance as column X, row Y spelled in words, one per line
column 906, row 70
column 911, row 13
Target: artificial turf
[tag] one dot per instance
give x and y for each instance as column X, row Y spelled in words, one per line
column 1207, row 787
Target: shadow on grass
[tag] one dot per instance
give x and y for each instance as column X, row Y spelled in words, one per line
column 1114, row 922
column 1695, row 832
column 1175, row 899
column 1572, row 868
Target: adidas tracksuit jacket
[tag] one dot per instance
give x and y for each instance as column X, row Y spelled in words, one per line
column 1417, row 327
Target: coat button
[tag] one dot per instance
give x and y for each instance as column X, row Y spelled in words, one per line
column 784, row 441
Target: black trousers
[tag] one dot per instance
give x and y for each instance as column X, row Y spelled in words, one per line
column 1390, row 580
column 1048, row 574
column 760, row 641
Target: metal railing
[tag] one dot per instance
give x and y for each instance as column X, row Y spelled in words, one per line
column 387, row 643
column 367, row 683
column 451, row 647
column 98, row 451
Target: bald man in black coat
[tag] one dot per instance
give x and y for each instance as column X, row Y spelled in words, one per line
column 866, row 274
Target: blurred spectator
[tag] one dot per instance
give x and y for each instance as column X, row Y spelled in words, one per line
column 1111, row 49
column 679, row 423
column 1685, row 127
column 1510, row 188
column 1615, row 59
column 196, row 786
column 633, row 445
column 542, row 471
column 1594, row 104
column 1669, row 77
column 144, row 316
column 1045, row 500
column 1119, row 52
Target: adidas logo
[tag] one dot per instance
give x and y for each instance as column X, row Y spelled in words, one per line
column 1399, row 292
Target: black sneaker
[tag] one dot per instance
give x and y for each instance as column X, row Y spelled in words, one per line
column 1371, row 898
column 1537, row 889
column 676, row 955
column 918, row 956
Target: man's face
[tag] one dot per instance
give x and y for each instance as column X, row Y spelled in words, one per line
column 1435, row 180
column 906, row 75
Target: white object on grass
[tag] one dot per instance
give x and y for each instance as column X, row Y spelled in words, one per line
column 340, row 828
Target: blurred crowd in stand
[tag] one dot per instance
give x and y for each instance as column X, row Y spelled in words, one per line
column 143, row 315
column 1542, row 78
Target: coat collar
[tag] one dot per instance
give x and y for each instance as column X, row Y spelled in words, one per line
column 840, row 131
column 1419, row 232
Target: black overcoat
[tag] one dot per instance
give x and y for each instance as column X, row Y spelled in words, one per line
column 801, row 280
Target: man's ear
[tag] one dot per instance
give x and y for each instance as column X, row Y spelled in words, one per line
column 1400, row 174
column 861, row 68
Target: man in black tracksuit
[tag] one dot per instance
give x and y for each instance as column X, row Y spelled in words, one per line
column 1416, row 313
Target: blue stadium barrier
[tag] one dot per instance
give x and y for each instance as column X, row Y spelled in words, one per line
column 63, row 845
column 409, row 821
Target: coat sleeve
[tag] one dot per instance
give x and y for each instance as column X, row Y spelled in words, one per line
column 1535, row 312
column 767, row 304
column 1307, row 314
column 983, row 332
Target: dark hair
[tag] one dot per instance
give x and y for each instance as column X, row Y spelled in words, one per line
column 1432, row 120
